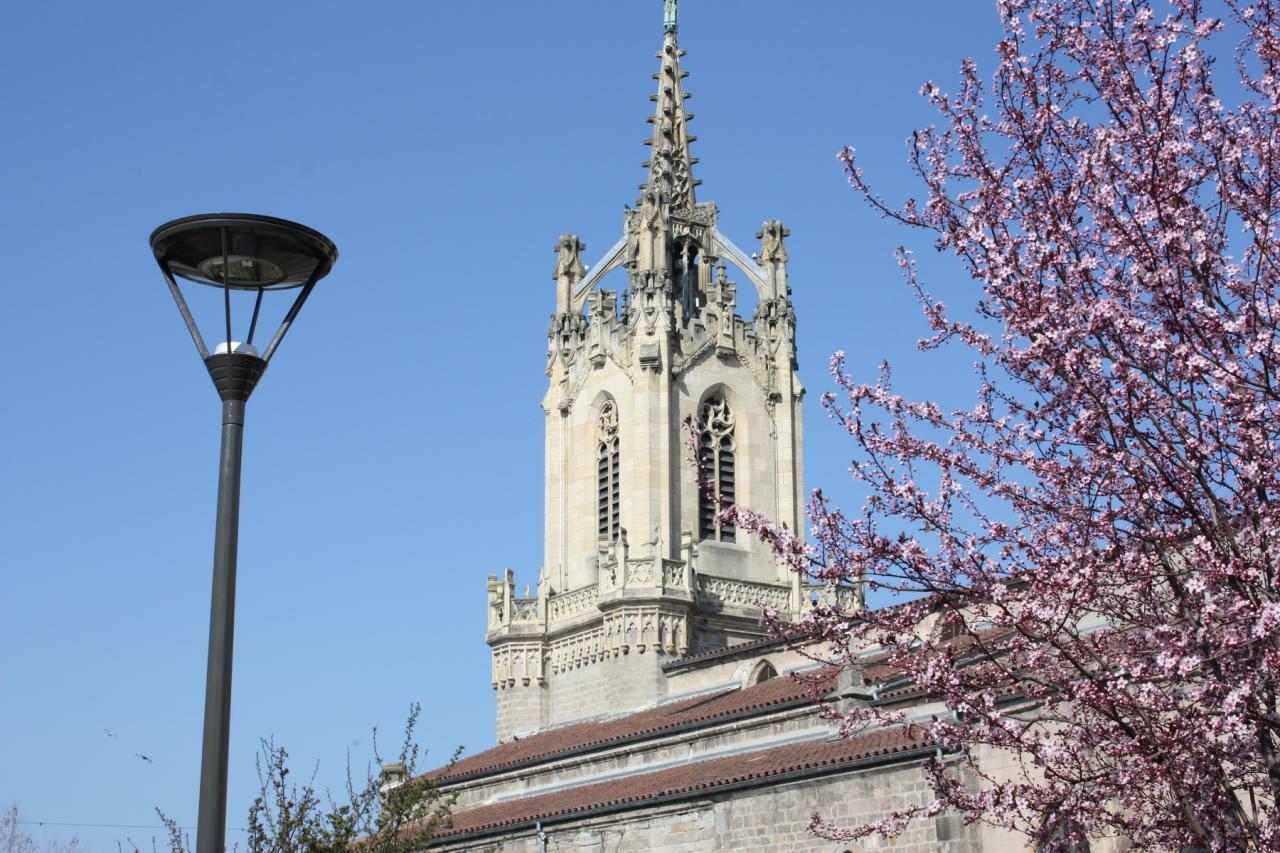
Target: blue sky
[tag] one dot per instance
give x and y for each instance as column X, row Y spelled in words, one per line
column 394, row 450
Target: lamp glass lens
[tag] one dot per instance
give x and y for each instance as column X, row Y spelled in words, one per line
column 241, row 271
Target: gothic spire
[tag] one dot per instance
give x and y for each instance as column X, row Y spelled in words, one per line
column 670, row 164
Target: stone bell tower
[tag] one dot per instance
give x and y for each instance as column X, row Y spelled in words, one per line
column 638, row 568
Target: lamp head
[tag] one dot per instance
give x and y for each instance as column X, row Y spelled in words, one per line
column 239, row 253
column 243, row 251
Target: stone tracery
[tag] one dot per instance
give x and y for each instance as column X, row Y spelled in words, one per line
column 608, row 477
column 717, row 446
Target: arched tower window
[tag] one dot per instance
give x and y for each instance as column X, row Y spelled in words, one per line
column 715, row 459
column 685, row 267
column 608, row 482
column 762, row 673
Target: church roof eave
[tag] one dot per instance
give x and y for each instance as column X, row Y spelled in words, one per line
column 770, row 766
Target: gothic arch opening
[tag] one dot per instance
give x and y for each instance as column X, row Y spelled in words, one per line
column 684, row 269
column 717, row 463
column 762, row 672
column 608, row 472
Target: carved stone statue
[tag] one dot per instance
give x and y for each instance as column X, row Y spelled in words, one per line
column 569, row 251
column 773, row 247
column 773, row 256
column 631, row 227
column 653, row 228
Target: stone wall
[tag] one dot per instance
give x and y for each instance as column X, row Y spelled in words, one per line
column 768, row 818
column 579, row 692
column 625, row 683
column 521, row 708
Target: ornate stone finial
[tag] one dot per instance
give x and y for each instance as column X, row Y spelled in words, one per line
column 569, row 268
column 669, row 16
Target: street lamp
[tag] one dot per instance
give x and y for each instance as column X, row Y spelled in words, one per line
column 246, row 257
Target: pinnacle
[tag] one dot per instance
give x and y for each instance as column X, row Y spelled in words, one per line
column 671, row 164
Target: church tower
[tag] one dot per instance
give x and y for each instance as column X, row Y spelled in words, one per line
column 638, row 569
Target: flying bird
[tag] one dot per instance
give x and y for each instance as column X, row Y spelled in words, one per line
column 110, row 733
column 144, row 758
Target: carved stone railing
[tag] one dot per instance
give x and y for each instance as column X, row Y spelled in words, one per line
column 506, row 609
column 525, row 611
column 569, row 604
column 717, row 593
column 675, row 575
column 640, row 574
column 645, row 573
column 849, row 598
column 846, row 597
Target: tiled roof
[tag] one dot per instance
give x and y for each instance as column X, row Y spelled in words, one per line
column 805, row 758
column 757, row 645
column 695, row 712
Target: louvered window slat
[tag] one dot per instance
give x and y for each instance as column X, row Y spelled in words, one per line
column 716, row 446
column 608, row 477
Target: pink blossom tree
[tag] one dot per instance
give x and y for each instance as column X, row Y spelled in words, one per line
column 1093, row 543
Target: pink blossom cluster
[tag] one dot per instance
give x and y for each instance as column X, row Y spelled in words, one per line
column 1101, row 526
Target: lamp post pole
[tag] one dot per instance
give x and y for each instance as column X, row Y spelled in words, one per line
column 238, row 375
column 248, row 255
column 212, row 827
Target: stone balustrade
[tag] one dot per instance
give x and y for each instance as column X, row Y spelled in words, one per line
column 716, row 594
column 567, row 605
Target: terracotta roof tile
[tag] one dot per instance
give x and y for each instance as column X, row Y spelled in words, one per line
column 814, row 755
column 662, row 719
column 694, row 712
column 758, row 644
